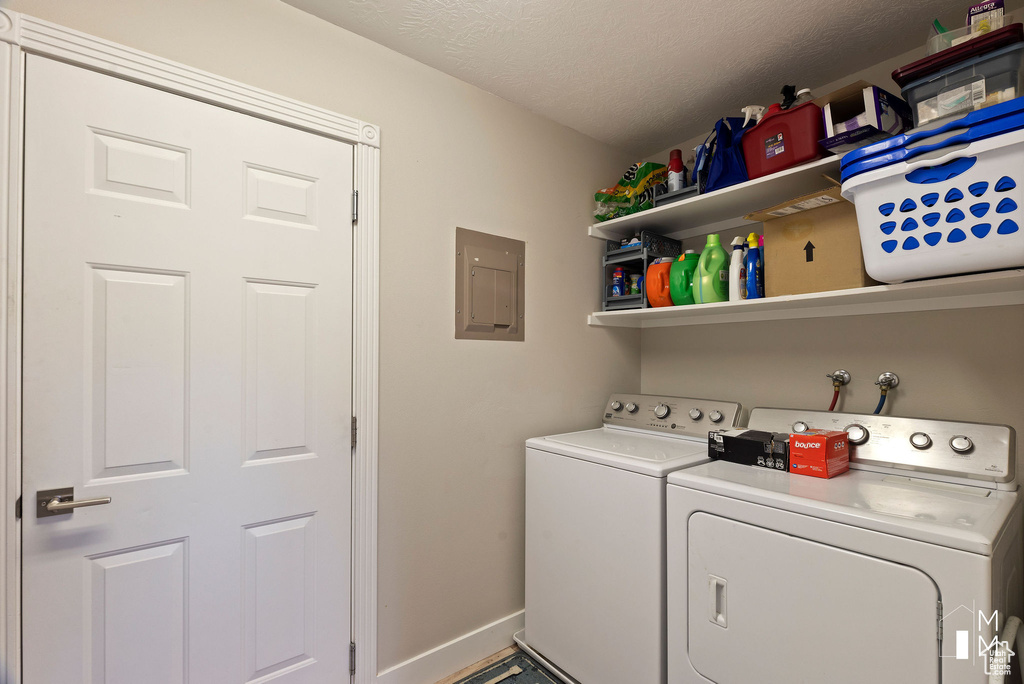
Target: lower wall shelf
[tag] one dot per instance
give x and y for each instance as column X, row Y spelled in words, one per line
column 1000, row 288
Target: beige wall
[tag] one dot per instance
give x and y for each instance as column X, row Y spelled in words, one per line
column 956, row 365
column 454, row 414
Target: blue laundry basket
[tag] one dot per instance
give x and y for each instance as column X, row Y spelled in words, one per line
column 942, row 201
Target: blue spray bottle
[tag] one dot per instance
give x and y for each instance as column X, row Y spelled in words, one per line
column 755, row 272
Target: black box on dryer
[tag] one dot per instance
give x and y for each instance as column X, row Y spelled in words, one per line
column 757, row 448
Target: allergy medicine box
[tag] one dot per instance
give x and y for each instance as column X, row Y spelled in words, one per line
column 819, row 453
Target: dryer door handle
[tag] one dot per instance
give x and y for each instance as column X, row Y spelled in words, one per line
column 718, row 600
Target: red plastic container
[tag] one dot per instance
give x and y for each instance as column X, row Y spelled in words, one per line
column 783, row 139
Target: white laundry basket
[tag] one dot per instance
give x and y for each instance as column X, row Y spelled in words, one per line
column 955, row 209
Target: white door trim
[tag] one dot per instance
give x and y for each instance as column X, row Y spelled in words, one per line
column 21, row 34
column 365, row 351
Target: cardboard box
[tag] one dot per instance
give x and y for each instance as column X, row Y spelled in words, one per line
column 812, row 244
column 819, row 453
column 860, row 114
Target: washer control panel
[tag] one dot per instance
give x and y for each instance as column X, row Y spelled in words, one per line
column 671, row 415
column 951, row 449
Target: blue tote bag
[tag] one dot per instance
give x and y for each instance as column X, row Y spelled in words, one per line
column 719, row 161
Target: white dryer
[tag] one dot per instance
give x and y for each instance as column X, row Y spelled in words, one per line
column 897, row 571
column 595, row 536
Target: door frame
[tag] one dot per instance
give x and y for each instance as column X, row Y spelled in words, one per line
column 22, row 34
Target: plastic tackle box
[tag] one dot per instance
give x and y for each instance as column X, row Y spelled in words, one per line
column 968, row 85
column 952, row 55
column 942, row 201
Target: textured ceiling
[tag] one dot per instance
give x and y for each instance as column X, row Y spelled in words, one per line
column 642, row 74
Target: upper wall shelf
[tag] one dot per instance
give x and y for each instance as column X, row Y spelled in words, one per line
column 1000, row 288
column 687, row 217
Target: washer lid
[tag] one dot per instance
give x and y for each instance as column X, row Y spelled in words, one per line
column 957, row 516
column 634, row 451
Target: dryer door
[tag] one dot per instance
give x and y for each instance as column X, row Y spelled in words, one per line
column 774, row 609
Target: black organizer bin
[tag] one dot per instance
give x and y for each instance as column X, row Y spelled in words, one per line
column 634, row 259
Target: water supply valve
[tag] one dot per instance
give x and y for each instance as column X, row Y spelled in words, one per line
column 839, row 378
column 887, row 381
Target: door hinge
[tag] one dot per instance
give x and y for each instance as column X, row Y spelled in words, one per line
column 17, row 509
column 352, row 658
column 939, row 619
column 355, row 430
column 355, row 206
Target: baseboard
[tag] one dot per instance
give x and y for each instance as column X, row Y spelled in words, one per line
column 438, row 663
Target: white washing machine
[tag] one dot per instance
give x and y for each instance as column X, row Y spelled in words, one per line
column 595, row 536
column 891, row 572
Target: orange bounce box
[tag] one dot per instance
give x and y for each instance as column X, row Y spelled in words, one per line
column 819, row 453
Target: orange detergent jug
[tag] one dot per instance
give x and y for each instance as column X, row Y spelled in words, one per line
column 656, row 284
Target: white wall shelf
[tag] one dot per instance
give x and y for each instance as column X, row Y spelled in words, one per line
column 1000, row 288
column 696, row 215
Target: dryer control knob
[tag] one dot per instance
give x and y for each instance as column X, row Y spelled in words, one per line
column 799, row 426
column 715, row 416
column 661, row 411
column 631, row 407
column 858, row 433
column 616, row 405
column 961, row 444
column 920, row 440
column 696, row 413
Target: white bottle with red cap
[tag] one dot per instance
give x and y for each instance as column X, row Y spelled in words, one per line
column 676, row 171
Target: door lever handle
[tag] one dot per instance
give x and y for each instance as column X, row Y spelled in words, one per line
column 62, row 502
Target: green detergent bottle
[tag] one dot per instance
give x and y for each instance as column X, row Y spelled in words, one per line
column 680, row 278
column 711, row 279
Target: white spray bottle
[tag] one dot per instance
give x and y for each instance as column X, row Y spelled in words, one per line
column 752, row 113
column 737, row 276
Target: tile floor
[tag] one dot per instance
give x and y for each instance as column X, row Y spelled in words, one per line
column 481, row 666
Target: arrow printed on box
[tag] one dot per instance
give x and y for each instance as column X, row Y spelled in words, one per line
column 809, row 250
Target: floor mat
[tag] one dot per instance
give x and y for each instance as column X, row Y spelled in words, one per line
column 517, row 668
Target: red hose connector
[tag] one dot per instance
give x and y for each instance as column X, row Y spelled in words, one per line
column 839, row 378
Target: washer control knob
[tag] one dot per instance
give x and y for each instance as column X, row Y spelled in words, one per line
column 632, row 408
column 661, row 411
column 616, row 405
column 715, row 416
column 858, row 433
column 799, row 426
column 696, row 413
column 961, row 444
column 920, row 440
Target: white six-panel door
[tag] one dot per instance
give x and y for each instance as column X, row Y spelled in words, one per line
column 187, row 352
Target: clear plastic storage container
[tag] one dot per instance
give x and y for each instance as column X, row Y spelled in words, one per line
column 951, row 39
column 964, row 87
